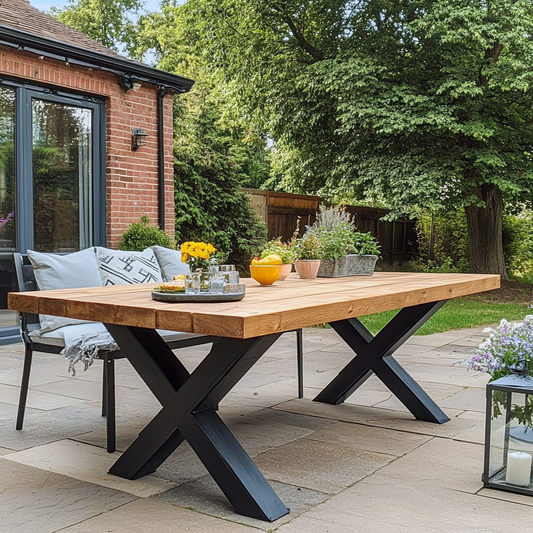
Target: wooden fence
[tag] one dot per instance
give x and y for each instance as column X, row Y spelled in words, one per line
column 280, row 212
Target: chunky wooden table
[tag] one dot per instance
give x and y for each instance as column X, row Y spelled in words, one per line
column 247, row 329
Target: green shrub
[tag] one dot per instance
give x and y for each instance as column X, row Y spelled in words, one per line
column 141, row 235
column 450, row 242
column 212, row 164
column 518, row 246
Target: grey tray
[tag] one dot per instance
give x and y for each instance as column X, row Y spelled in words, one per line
column 203, row 297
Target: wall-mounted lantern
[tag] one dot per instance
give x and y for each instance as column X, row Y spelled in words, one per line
column 509, row 432
column 138, row 138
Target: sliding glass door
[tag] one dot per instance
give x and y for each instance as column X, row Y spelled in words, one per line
column 62, row 177
column 52, row 189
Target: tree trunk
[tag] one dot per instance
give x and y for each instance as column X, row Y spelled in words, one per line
column 485, row 232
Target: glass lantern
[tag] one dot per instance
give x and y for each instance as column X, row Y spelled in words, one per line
column 509, row 432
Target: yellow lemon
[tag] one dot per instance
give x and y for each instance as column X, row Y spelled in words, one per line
column 271, row 259
column 255, row 261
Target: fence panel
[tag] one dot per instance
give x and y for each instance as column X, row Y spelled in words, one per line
column 280, row 212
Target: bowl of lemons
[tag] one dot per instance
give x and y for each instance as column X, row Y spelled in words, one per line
column 266, row 271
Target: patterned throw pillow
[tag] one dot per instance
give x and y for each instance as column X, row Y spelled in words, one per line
column 119, row 267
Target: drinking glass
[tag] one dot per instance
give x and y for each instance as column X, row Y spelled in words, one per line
column 193, row 282
column 217, row 282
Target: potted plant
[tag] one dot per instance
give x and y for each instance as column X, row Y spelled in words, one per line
column 307, row 250
column 344, row 250
column 284, row 250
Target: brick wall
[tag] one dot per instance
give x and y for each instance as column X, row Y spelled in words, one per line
column 131, row 178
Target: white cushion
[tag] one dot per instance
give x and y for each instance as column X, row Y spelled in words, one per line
column 170, row 262
column 119, row 267
column 69, row 334
column 72, row 271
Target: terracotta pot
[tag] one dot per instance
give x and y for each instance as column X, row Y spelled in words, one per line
column 307, row 268
column 286, row 269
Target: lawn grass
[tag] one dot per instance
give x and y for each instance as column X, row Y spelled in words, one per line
column 459, row 313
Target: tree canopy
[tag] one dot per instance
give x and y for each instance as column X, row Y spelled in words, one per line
column 110, row 22
column 417, row 103
column 414, row 103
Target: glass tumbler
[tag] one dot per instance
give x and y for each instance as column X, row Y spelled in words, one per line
column 193, row 281
column 217, row 282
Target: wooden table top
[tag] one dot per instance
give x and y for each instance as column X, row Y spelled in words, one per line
column 285, row 306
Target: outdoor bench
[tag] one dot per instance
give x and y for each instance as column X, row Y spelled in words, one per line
column 80, row 340
column 96, row 266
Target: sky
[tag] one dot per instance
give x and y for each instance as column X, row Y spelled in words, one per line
column 45, row 5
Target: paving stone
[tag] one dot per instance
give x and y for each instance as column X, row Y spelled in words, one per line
column 86, row 463
column 37, row 400
column 381, row 504
column 470, row 399
column 204, row 496
column 502, row 495
column 372, row 416
column 41, row 427
column 37, row 501
column 8, row 412
column 150, row 516
column 443, row 463
column 319, row 465
column 372, row 439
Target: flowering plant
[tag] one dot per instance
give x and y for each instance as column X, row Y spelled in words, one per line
column 4, row 221
column 197, row 255
column 307, row 247
column 507, row 346
column 285, row 250
column 504, row 347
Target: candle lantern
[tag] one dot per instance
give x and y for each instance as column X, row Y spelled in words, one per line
column 509, row 432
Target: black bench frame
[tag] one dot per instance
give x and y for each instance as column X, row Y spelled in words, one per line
column 29, row 321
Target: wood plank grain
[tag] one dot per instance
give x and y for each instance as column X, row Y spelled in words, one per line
column 287, row 305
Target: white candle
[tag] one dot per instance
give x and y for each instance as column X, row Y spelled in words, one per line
column 518, row 469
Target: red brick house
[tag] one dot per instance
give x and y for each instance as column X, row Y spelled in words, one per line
column 71, row 172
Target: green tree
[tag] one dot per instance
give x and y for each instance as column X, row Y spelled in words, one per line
column 415, row 103
column 109, row 22
column 214, row 156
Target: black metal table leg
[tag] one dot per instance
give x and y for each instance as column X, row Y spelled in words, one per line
column 189, row 402
column 374, row 356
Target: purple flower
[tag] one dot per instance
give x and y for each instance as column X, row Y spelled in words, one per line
column 4, row 221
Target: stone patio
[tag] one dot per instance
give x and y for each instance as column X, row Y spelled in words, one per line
column 366, row 465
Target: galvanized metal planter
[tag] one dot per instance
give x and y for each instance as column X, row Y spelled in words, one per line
column 349, row 265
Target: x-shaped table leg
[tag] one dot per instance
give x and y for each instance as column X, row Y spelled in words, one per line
column 374, row 356
column 189, row 413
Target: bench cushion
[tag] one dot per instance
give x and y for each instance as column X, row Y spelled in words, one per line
column 170, row 262
column 72, row 271
column 120, row 267
column 58, row 336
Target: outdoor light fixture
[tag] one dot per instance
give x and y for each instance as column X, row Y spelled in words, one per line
column 126, row 83
column 138, row 138
column 509, row 432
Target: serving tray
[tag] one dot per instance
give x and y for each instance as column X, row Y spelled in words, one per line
column 203, row 297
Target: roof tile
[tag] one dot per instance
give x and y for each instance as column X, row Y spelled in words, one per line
column 20, row 15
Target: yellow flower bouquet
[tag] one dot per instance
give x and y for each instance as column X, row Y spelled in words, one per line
column 197, row 255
